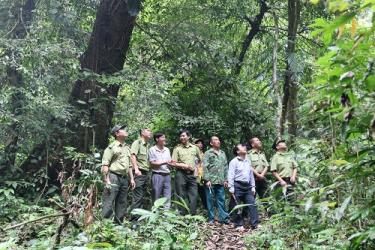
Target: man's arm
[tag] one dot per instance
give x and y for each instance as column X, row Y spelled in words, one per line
column 232, row 166
column 153, row 160
column 107, row 157
column 206, row 166
column 177, row 164
column 252, row 179
column 134, row 150
column 275, row 173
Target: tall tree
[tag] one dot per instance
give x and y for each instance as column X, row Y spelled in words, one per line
column 290, row 88
column 105, row 55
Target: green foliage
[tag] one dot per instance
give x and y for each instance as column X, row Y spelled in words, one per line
column 166, row 229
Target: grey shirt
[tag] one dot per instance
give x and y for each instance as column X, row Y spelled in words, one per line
column 240, row 170
column 155, row 154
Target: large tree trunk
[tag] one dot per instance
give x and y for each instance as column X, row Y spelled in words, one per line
column 94, row 101
column 289, row 110
column 23, row 15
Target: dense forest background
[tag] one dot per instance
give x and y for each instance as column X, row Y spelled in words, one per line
column 69, row 70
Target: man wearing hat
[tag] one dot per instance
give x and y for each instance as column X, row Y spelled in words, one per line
column 117, row 172
column 283, row 165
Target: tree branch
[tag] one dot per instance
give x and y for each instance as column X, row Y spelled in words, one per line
column 254, row 30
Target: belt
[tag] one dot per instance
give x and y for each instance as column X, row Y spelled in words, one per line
column 163, row 174
column 121, row 175
column 188, row 172
column 243, row 182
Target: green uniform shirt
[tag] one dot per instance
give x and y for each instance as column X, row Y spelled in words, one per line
column 140, row 149
column 215, row 166
column 258, row 160
column 186, row 154
column 284, row 164
column 117, row 157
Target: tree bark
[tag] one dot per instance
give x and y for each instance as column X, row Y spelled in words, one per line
column 23, row 16
column 275, row 82
column 289, row 110
column 93, row 101
column 253, row 31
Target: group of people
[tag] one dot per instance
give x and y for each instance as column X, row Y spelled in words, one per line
column 197, row 173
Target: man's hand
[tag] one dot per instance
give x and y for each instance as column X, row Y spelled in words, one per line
column 253, row 191
column 225, row 184
column 283, row 183
column 172, row 163
column 132, row 184
column 137, row 172
column 106, row 180
column 293, row 179
column 208, row 184
column 105, row 169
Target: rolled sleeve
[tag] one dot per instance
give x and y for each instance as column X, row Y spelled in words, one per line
column 175, row 155
column 134, row 150
column 107, row 157
column 273, row 164
column 152, row 155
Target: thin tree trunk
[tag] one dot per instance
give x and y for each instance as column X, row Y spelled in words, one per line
column 93, row 101
column 289, row 104
column 275, row 82
column 294, row 10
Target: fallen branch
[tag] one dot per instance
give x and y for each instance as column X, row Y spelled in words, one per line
column 37, row 219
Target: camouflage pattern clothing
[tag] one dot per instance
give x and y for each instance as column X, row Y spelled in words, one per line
column 215, row 166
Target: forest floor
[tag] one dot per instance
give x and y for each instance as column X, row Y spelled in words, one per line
column 225, row 236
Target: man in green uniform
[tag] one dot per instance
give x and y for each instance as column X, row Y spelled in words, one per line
column 260, row 166
column 215, row 171
column 283, row 166
column 116, row 169
column 184, row 156
column 139, row 160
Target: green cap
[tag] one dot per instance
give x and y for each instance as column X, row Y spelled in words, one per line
column 117, row 128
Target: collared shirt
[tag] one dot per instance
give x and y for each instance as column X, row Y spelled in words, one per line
column 215, row 166
column 258, row 160
column 186, row 154
column 283, row 163
column 240, row 170
column 157, row 154
column 117, row 157
column 140, row 149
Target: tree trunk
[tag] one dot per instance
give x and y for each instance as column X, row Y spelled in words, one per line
column 289, row 110
column 23, row 15
column 275, row 82
column 93, row 101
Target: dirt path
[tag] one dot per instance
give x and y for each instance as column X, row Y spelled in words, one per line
column 224, row 237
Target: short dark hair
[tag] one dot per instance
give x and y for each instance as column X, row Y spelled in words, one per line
column 187, row 132
column 157, row 135
column 214, row 136
column 141, row 130
column 235, row 149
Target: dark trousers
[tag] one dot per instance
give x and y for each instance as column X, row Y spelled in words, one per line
column 202, row 195
column 261, row 187
column 215, row 197
column 289, row 190
column 161, row 187
column 242, row 192
column 186, row 187
column 141, row 185
column 115, row 197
